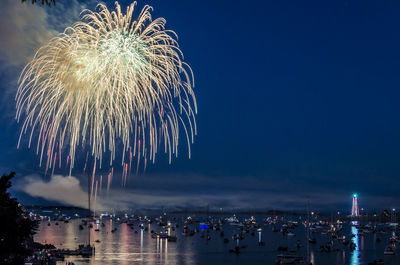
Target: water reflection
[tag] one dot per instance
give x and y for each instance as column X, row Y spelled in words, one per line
column 124, row 234
column 133, row 245
column 312, row 259
column 141, row 241
column 355, row 255
column 121, row 247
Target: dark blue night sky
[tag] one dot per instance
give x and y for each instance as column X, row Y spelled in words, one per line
column 296, row 99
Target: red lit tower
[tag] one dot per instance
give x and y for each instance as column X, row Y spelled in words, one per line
column 354, row 208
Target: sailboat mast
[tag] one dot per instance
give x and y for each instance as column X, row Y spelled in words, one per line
column 90, row 212
column 308, row 231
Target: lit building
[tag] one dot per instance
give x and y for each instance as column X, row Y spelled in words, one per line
column 354, row 209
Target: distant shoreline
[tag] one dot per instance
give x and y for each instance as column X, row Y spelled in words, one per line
column 247, row 212
column 192, row 211
column 46, row 207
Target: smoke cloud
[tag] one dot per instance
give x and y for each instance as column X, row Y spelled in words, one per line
column 25, row 28
column 65, row 190
column 147, row 192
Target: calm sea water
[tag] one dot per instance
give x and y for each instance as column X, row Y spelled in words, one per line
column 132, row 246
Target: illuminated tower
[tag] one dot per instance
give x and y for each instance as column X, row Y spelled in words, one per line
column 354, row 208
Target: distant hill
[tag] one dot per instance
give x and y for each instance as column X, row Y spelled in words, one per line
column 50, row 207
column 269, row 212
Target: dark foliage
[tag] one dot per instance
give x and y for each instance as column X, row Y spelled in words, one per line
column 16, row 230
column 47, row 2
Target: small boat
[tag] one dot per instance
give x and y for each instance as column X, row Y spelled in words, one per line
column 163, row 235
column 232, row 220
column 298, row 244
column 327, row 247
column 235, row 250
column 312, row 240
column 290, row 234
column 352, row 246
column 389, row 250
column 288, row 259
column 377, row 262
column 280, row 248
column 86, row 250
column 393, row 238
column 172, row 239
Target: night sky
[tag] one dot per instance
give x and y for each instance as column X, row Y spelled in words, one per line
column 296, row 100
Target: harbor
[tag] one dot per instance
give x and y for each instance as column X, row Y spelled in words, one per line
column 174, row 132
column 236, row 239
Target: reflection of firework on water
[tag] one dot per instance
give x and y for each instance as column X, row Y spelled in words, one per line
column 106, row 78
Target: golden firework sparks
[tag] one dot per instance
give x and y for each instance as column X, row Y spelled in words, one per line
column 107, row 78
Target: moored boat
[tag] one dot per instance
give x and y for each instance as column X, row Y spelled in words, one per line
column 389, row 250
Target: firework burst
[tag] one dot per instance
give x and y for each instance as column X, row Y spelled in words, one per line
column 108, row 78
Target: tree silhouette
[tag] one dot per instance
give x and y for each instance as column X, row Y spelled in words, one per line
column 16, row 230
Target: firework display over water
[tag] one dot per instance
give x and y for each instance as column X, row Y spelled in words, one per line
column 291, row 98
column 267, row 132
column 109, row 77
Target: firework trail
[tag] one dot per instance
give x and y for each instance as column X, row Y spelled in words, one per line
column 59, row 153
column 145, row 165
column 101, row 183
column 124, row 175
column 54, row 163
column 95, row 199
column 108, row 182
column 137, row 165
column 138, row 159
column 84, row 167
column 109, row 179
column 130, row 160
column 109, row 78
column 91, row 190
